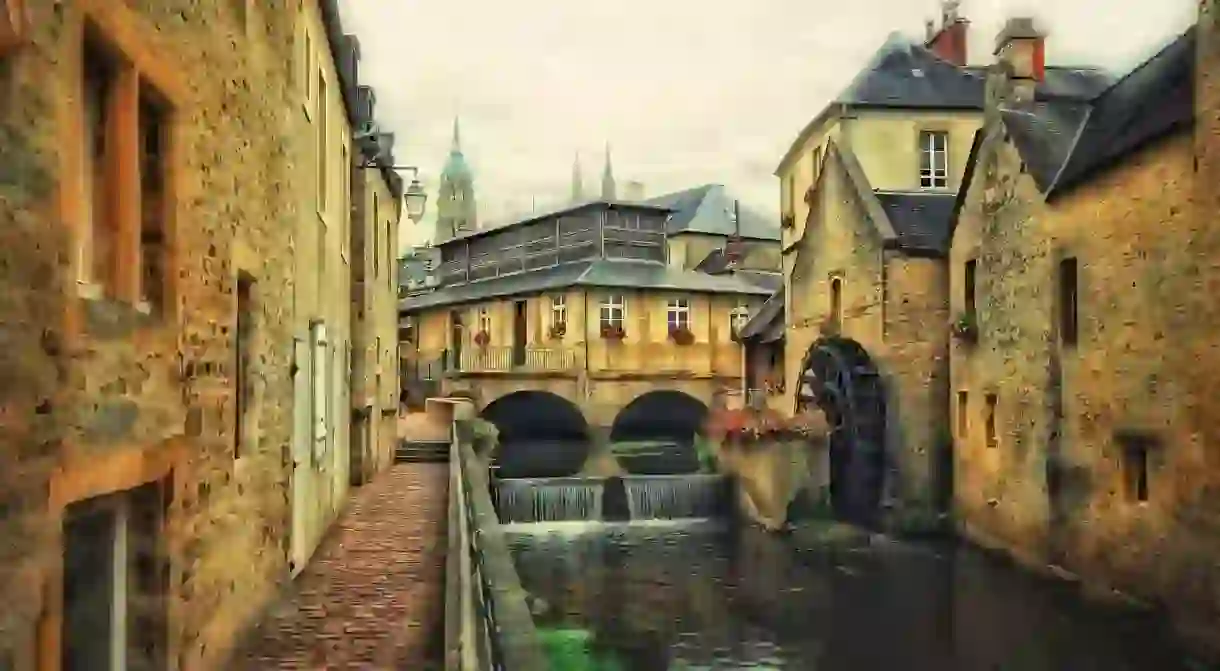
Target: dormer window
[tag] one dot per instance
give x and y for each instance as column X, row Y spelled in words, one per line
column 933, row 160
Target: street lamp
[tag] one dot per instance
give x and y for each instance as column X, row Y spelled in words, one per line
column 378, row 147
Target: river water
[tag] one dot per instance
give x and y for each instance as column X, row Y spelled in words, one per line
column 659, row 596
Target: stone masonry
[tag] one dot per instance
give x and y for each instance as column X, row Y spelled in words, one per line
column 1052, row 483
column 99, row 397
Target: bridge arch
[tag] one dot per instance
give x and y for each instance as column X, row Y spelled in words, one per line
column 839, row 377
column 542, row 434
column 666, row 418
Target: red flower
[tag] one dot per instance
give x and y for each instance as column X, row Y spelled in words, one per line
column 482, row 338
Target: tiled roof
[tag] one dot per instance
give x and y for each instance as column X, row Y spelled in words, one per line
column 767, row 324
column 613, row 273
column 921, row 220
column 709, row 209
column 1153, row 99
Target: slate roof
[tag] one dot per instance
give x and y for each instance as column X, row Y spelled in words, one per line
column 1155, row 98
column 709, row 209
column 555, row 211
column 595, row 273
column 767, row 324
column 921, row 220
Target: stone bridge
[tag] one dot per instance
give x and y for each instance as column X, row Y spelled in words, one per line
column 556, row 425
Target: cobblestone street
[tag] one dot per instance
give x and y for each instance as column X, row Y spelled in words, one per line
column 373, row 595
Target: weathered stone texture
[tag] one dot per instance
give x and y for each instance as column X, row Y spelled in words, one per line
column 894, row 305
column 1053, row 488
column 76, row 396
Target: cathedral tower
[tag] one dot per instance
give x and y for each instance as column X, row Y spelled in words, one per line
column 456, row 210
column 608, row 188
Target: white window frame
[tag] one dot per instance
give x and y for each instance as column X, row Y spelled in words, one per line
column 739, row 316
column 613, row 311
column 559, row 310
column 678, row 314
column 934, row 152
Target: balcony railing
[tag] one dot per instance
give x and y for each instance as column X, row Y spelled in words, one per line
column 506, row 359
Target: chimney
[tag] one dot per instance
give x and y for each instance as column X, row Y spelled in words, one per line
column 634, row 191
column 949, row 43
column 1021, row 50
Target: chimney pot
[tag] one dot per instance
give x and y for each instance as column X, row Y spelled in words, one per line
column 1023, row 47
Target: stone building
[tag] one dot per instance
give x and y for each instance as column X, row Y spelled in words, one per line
column 174, row 216
column 377, row 206
column 571, row 323
column 867, row 190
column 1083, row 292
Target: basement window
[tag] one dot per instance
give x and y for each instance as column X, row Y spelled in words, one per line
column 1068, row 300
column 1136, row 446
column 990, row 420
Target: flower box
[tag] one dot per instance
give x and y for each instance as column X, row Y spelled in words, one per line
column 482, row 338
column 965, row 328
column 681, row 335
column 558, row 331
column 613, row 332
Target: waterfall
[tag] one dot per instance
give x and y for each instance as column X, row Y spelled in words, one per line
column 549, row 499
column 670, row 497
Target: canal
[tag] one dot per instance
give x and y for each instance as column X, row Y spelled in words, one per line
column 659, row 595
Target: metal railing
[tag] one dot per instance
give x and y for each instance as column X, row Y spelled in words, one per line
column 488, row 622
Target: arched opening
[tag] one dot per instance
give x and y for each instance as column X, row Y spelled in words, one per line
column 655, row 433
column 839, row 377
column 542, row 435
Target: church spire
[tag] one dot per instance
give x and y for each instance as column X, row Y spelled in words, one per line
column 578, row 188
column 608, row 177
column 457, row 137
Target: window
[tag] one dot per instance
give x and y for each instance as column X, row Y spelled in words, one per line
column 323, row 130
column 114, row 605
column 1135, row 449
column 968, row 287
column 738, row 317
column 934, row 159
column 484, row 320
column 153, row 240
column 612, row 312
column 245, row 339
column 836, row 301
column 1068, row 296
column 963, row 419
column 678, row 314
column 790, row 202
column 992, row 437
column 376, row 241
column 559, row 310
column 126, row 211
column 816, row 159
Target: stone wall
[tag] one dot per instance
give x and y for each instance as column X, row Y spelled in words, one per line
column 1058, row 483
column 97, row 397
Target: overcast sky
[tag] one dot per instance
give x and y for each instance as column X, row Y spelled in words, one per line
column 685, row 91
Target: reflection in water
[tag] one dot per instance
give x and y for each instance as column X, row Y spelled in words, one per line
column 697, row 595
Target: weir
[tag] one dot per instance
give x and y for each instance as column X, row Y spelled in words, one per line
column 648, row 497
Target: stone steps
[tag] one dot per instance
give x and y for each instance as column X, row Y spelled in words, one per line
column 421, row 452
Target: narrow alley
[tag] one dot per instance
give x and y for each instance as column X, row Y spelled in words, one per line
column 373, row 595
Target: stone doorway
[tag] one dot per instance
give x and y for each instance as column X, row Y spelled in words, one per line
column 839, row 377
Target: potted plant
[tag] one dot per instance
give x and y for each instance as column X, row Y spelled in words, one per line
column 681, row 335
column 754, row 427
column 482, row 338
column 965, row 327
column 613, row 332
column 558, row 330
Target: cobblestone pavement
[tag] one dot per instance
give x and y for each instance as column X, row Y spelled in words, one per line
column 373, row 595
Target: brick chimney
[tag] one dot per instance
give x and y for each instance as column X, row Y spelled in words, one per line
column 949, row 42
column 1020, row 49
